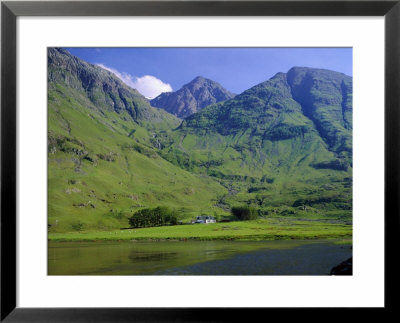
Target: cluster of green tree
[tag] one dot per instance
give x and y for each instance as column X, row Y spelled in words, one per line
column 243, row 213
column 336, row 201
column 283, row 132
column 333, row 164
column 269, row 180
column 240, row 178
column 158, row 216
column 256, row 189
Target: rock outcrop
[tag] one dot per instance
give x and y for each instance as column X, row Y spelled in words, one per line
column 344, row 268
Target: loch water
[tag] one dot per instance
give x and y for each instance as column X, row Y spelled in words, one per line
column 282, row 257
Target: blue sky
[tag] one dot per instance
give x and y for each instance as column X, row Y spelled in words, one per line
column 156, row 70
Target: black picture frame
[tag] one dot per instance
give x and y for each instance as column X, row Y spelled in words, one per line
column 10, row 10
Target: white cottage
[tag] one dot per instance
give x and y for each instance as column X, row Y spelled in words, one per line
column 205, row 219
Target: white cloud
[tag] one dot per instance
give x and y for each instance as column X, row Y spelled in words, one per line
column 147, row 85
column 151, row 86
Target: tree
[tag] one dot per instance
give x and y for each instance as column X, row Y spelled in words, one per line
column 243, row 213
column 158, row 216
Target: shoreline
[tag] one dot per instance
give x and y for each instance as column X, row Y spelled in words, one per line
column 346, row 237
column 255, row 230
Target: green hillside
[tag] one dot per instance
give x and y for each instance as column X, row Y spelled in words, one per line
column 283, row 147
column 102, row 165
column 272, row 150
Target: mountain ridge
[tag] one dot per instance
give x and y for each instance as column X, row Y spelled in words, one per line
column 105, row 91
column 301, row 90
column 264, row 130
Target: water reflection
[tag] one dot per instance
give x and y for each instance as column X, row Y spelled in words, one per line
column 195, row 258
column 157, row 256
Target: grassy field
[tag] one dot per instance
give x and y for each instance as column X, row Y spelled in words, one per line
column 263, row 229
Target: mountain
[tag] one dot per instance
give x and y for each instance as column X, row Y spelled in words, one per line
column 100, row 89
column 302, row 103
column 309, row 108
column 289, row 138
column 192, row 97
column 322, row 99
column 283, row 146
column 102, row 160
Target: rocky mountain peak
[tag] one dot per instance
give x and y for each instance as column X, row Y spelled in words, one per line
column 192, row 97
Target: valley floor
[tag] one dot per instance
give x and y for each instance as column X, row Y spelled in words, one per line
column 263, row 229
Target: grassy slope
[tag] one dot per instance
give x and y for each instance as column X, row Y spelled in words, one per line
column 259, row 159
column 98, row 175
